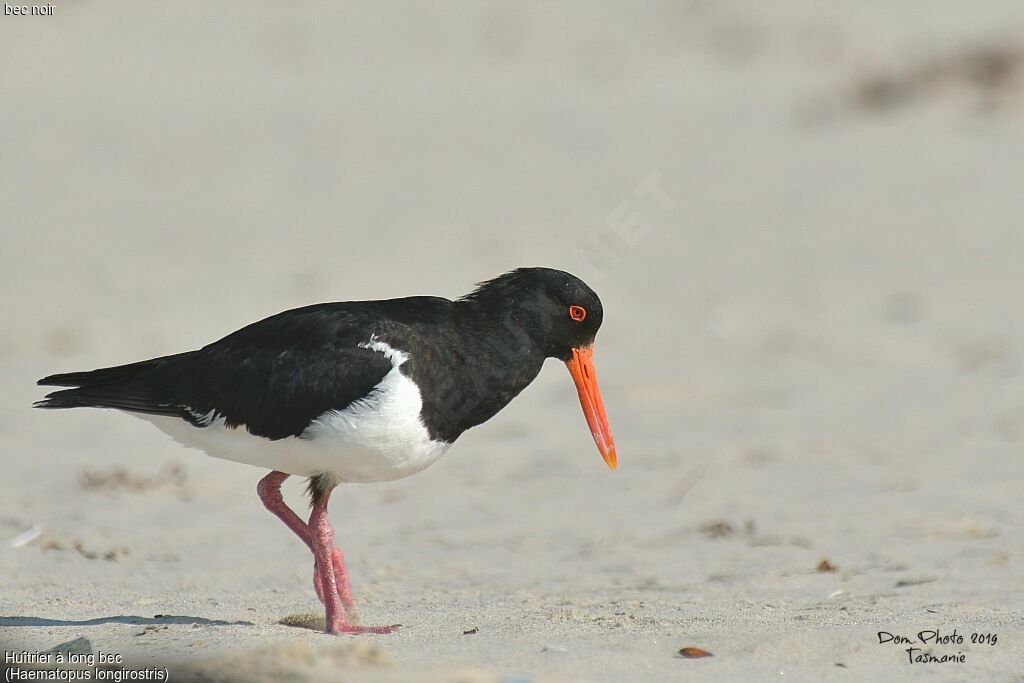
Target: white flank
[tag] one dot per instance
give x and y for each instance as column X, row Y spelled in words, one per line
column 380, row 437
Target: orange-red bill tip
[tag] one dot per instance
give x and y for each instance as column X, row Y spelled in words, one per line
column 581, row 367
column 611, row 459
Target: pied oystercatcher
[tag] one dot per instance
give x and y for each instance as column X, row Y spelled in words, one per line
column 358, row 391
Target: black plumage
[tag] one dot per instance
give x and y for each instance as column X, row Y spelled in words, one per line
column 469, row 357
column 359, row 392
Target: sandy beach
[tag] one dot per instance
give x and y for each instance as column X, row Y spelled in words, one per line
column 805, row 224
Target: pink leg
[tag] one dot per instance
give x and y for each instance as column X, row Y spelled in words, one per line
column 341, row 577
column 269, row 490
column 322, row 536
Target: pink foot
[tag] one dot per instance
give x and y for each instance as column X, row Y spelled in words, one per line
column 330, row 579
column 269, row 490
column 329, row 572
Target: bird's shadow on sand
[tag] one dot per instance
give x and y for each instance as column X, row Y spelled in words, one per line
column 120, row 619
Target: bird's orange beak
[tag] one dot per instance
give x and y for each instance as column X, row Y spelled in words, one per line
column 581, row 367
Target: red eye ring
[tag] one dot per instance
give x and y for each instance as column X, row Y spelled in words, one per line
column 577, row 313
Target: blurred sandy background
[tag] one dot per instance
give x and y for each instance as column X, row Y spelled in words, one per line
column 812, row 350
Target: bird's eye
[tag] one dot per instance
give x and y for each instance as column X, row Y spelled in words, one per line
column 577, row 313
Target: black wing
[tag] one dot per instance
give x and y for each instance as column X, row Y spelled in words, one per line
column 273, row 377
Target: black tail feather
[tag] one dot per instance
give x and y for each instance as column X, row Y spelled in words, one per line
column 123, row 387
column 110, row 397
column 92, row 378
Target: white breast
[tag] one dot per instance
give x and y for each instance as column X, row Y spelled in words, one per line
column 380, row 437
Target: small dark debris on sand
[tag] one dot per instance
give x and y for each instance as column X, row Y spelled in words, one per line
column 987, row 70
column 150, row 629
column 826, row 566
column 718, row 528
column 691, row 652
column 111, row 555
column 119, row 479
column 915, row 581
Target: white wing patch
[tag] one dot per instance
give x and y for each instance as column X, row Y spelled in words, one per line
column 203, row 420
column 380, row 437
column 394, row 355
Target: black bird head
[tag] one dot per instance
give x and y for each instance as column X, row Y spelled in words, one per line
column 559, row 315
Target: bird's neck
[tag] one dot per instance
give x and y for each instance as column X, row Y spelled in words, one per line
column 504, row 322
column 496, row 359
